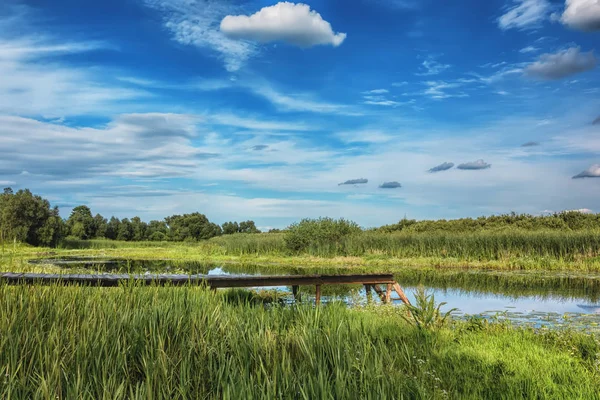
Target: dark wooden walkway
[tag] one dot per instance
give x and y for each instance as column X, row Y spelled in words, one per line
column 216, row 281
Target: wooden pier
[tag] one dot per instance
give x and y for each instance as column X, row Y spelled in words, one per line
column 374, row 282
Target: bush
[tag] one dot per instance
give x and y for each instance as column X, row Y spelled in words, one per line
column 323, row 236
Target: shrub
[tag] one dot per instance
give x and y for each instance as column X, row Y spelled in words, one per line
column 323, row 236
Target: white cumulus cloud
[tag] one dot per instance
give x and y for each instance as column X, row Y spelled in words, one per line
column 561, row 64
column 287, row 22
column 582, row 14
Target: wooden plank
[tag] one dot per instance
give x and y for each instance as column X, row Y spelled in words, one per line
column 110, row 280
column 212, row 281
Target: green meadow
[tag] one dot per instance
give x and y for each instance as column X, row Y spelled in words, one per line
column 135, row 342
column 179, row 343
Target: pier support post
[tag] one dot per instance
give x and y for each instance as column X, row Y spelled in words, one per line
column 369, row 294
column 296, row 293
column 379, row 292
column 318, row 294
column 401, row 294
column 388, row 293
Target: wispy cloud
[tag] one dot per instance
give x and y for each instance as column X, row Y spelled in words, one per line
column 364, row 136
column 528, row 49
column 432, row 67
column 596, row 121
column 524, row 14
column 381, row 101
column 299, row 101
column 294, row 101
column 530, row 144
column 33, row 80
column 506, row 71
column 260, row 147
column 196, row 23
column 380, row 97
column 377, row 91
column 132, row 145
column 561, row 64
column 287, row 22
column 439, row 90
column 254, row 123
column 40, row 47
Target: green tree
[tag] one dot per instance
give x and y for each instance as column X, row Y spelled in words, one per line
column 28, row 218
column 125, row 230
column 52, row 230
column 229, row 228
column 139, row 228
column 100, row 226
column 248, row 227
column 112, row 228
column 193, row 226
column 156, row 230
column 81, row 223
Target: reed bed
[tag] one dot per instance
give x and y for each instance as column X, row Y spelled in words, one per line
column 468, row 246
column 61, row 342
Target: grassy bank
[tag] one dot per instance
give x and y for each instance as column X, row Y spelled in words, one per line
column 503, row 250
column 134, row 342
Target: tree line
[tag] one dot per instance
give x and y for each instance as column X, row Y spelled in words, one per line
column 566, row 220
column 29, row 218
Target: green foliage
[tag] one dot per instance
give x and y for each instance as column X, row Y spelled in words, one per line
column 179, row 343
column 100, row 226
column 229, row 228
column 425, row 314
column 248, row 227
column 81, row 224
column 568, row 220
column 125, row 231
column 539, row 247
column 324, row 236
column 27, row 218
column 193, row 227
column 255, row 244
column 112, row 228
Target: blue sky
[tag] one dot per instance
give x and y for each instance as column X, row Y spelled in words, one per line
column 262, row 110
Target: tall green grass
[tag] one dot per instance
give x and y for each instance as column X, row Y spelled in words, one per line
column 468, row 246
column 251, row 243
column 183, row 343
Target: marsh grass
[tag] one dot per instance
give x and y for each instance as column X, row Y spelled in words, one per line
column 181, row 343
column 506, row 249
